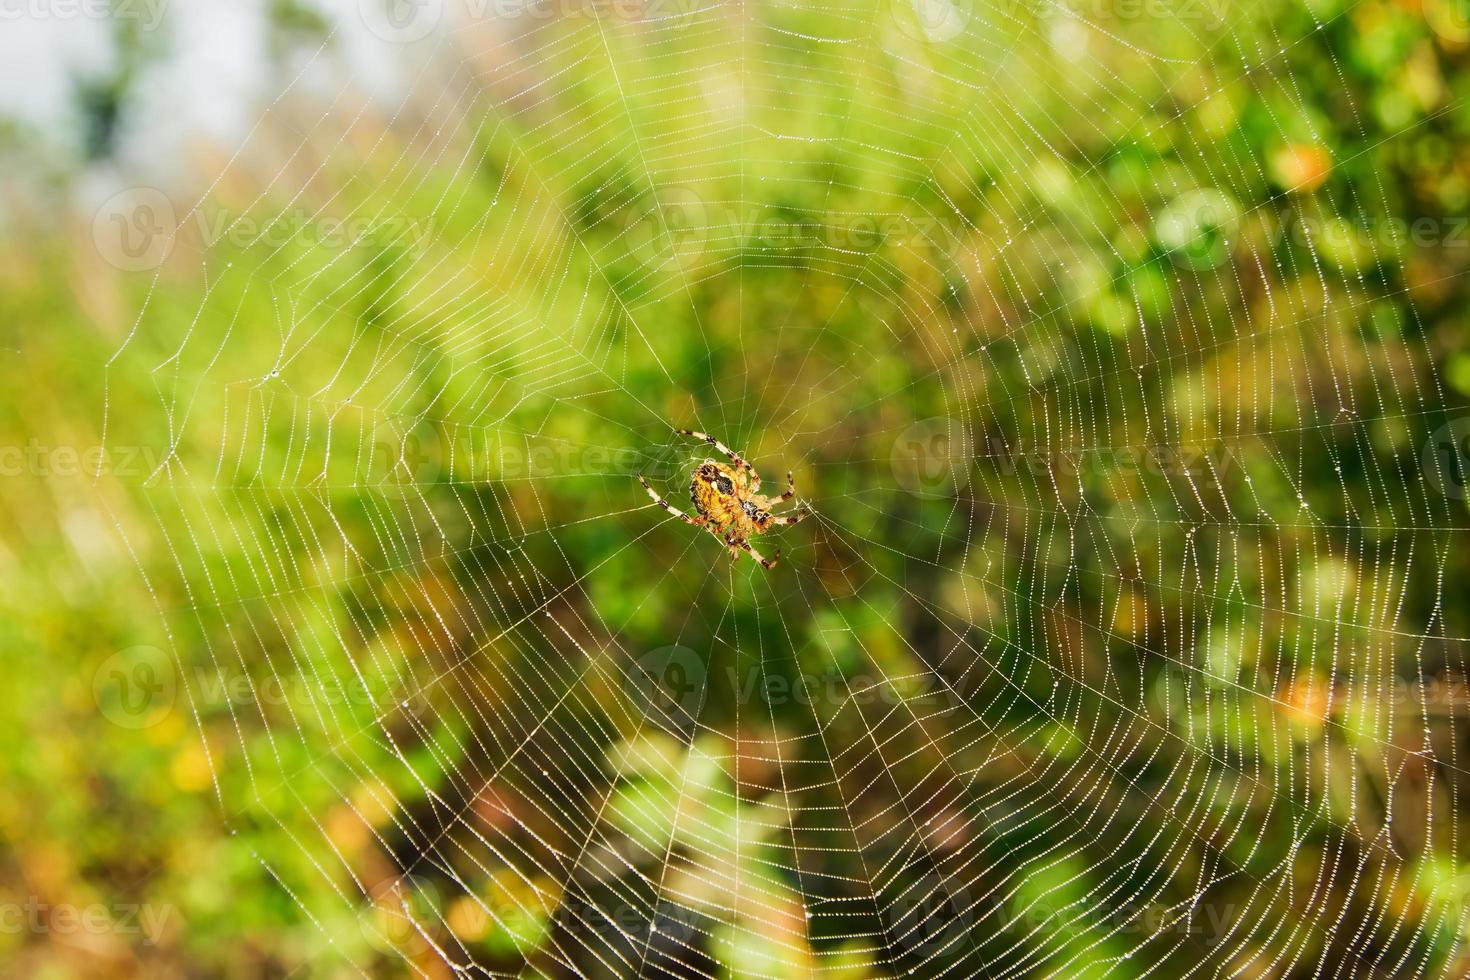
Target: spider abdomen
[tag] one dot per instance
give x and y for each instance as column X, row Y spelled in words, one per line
column 716, row 499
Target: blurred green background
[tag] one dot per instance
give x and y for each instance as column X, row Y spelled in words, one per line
column 1119, row 348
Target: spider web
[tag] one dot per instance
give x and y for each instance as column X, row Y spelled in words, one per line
column 1116, row 644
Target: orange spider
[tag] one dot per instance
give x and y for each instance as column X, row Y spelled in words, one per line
column 728, row 503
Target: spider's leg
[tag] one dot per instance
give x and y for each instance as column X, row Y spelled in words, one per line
column 801, row 515
column 734, row 457
column 695, row 521
column 766, row 563
column 790, row 491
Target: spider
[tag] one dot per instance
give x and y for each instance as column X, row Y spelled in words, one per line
column 728, row 504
